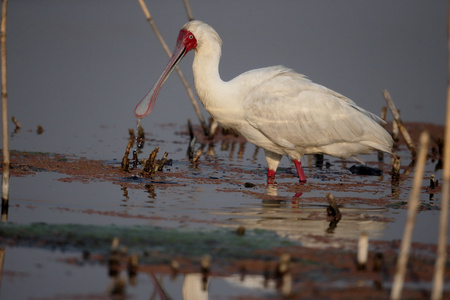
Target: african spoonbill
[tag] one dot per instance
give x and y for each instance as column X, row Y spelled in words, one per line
column 274, row 108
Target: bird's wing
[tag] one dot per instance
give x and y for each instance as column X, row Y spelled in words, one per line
column 293, row 112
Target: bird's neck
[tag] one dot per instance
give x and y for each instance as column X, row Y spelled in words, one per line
column 221, row 99
column 206, row 73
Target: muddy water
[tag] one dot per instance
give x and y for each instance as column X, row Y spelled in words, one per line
column 197, row 208
column 213, row 193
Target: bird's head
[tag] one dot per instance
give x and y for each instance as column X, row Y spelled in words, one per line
column 188, row 39
column 193, row 35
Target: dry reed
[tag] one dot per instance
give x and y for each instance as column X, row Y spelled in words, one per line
column 399, row 123
column 413, row 205
column 438, row 277
column 6, row 158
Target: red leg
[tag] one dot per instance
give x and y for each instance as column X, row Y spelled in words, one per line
column 301, row 174
column 271, row 176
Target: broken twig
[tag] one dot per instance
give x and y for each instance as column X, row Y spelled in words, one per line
column 399, row 123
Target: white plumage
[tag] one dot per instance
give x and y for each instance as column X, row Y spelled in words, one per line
column 274, row 108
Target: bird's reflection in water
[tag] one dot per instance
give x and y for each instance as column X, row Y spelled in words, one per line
column 333, row 215
column 195, row 287
column 276, row 280
column 271, row 190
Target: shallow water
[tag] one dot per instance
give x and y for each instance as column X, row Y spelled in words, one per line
column 216, row 196
column 207, row 197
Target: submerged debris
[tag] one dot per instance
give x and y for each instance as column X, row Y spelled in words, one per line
column 114, row 259
column 175, row 267
column 433, row 182
column 395, row 168
column 135, row 159
column 249, row 185
column 378, row 262
column 117, row 287
column 205, row 264
column 197, row 156
column 133, row 265
column 333, row 212
column 319, row 161
column 193, row 158
column 125, row 166
column 333, row 209
column 40, row 129
column 150, row 163
column 240, row 230
column 18, row 126
column 283, row 275
column 162, row 162
column 365, row 170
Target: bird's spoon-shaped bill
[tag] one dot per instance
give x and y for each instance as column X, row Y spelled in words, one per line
column 185, row 42
column 145, row 106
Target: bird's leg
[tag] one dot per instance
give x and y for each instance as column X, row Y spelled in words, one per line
column 301, row 174
column 273, row 160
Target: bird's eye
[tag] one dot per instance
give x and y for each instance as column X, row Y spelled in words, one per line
column 191, row 37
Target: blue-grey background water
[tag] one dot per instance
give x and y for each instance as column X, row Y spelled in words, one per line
column 79, row 68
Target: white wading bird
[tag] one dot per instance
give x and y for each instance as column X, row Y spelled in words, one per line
column 274, row 108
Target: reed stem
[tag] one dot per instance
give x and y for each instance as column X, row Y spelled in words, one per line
column 399, row 123
column 188, row 10
column 413, row 205
column 6, row 157
column 439, row 267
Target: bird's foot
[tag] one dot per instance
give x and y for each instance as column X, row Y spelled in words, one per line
column 271, row 177
column 271, row 180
